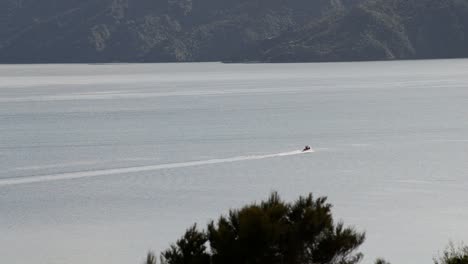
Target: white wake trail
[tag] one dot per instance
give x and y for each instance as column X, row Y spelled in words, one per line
column 97, row 173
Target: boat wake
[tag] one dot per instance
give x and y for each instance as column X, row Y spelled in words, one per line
column 103, row 172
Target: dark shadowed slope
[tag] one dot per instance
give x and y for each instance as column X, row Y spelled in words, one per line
column 145, row 30
column 226, row 30
column 378, row 30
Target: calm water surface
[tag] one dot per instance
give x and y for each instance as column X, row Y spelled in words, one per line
column 100, row 163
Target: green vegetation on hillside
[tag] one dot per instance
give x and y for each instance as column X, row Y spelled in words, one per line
column 379, row 30
column 227, row 30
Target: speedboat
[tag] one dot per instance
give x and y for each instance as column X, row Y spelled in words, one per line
column 306, row 148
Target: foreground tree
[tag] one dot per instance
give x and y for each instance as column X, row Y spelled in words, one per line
column 150, row 258
column 381, row 261
column 453, row 255
column 190, row 249
column 272, row 232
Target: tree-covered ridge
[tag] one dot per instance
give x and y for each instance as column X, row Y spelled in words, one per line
column 227, row 30
column 380, row 29
column 145, row 30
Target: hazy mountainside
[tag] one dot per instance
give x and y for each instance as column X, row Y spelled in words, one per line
column 375, row 30
column 146, row 30
column 242, row 30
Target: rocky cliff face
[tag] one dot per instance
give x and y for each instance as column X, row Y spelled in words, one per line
column 34, row 31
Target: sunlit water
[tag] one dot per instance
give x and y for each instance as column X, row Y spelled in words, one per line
column 101, row 163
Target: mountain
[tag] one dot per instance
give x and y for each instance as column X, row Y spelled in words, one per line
column 36, row 31
column 377, row 30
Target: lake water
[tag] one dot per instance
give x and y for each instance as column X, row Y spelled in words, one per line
column 101, row 163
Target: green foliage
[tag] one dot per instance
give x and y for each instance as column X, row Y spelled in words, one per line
column 150, row 258
column 453, row 255
column 381, row 261
column 271, row 232
column 190, row 249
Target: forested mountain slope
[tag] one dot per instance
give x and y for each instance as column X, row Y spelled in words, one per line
column 33, row 31
column 378, row 30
